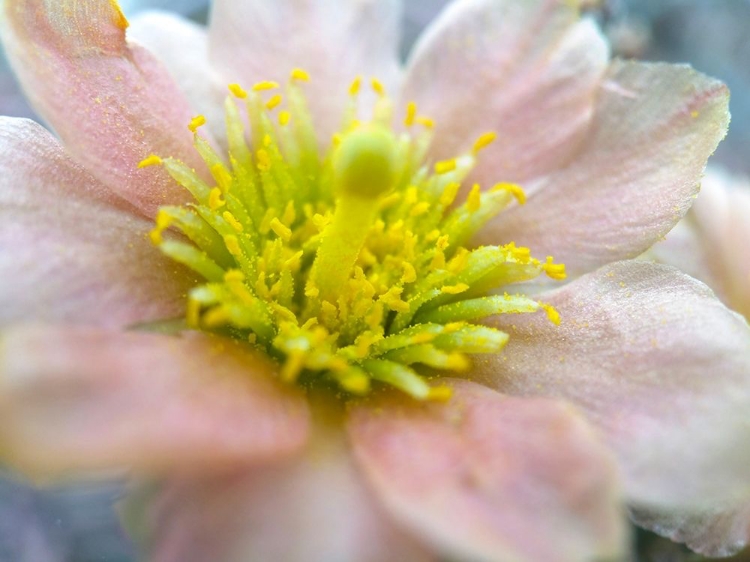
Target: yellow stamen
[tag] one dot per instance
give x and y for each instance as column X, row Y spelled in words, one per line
column 275, row 101
column 196, row 122
column 281, row 231
column 484, row 141
column 355, row 86
column 300, row 75
column 284, row 117
column 238, row 91
column 378, row 87
column 152, row 160
column 265, row 85
column 474, row 201
column 214, row 199
column 411, row 114
column 445, row 166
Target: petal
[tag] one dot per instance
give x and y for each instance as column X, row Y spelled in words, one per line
column 183, row 48
column 529, row 70
column 333, row 40
column 313, row 508
column 70, row 250
column 717, row 532
column 82, row 398
column 659, row 364
column 112, row 105
column 489, row 477
column 719, row 223
column 635, row 176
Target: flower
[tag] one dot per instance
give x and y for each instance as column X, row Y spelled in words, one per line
column 604, row 399
column 709, row 242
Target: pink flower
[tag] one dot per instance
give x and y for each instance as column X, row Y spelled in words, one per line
column 639, row 396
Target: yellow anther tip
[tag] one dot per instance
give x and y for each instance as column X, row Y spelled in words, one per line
column 237, row 91
column 196, row 122
column 355, row 86
column 265, row 85
column 300, row 75
column 440, row 393
column 445, row 166
column 484, row 141
column 284, row 117
column 274, row 102
column 152, row 160
column 377, row 87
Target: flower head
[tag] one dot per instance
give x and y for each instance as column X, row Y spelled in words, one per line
column 330, row 234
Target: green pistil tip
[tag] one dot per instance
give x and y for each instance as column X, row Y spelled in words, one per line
column 364, row 163
column 351, row 268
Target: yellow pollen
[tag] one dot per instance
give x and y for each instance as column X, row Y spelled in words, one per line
column 440, row 393
column 214, row 199
column 238, row 91
column 445, row 166
column 425, row 121
column 300, row 75
column 284, row 117
column 552, row 313
column 275, row 101
column 232, row 244
column 234, row 276
column 152, row 160
column 377, row 87
column 355, row 86
column 411, row 114
column 410, row 274
column 223, row 178
column 419, row 209
column 265, row 85
column 233, row 222
column 515, row 190
column 554, row 270
column 281, row 231
column 264, row 160
column 454, row 289
column 484, row 141
column 474, row 201
column 196, row 122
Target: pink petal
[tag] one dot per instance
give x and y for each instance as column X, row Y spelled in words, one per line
column 717, row 532
column 333, row 41
column 112, row 105
column 529, row 70
column 660, row 365
column 81, row 398
column 711, row 242
column 634, row 177
column 183, row 48
column 489, row 477
column 313, row 508
column 70, row 250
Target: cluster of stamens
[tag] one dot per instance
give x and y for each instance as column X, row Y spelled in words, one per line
column 350, row 267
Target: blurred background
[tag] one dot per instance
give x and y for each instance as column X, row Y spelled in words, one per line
column 77, row 522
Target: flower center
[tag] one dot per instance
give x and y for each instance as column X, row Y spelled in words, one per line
column 350, row 267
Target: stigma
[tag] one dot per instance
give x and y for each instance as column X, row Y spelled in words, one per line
column 351, row 264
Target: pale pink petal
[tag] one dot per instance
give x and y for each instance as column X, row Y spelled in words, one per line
column 490, row 477
column 528, row 70
column 634, row 177
column 659, row 364
column 333, row 40
column 70, row 250
column 719, row 226
column 721, row 531
column 183, row 48
column 313, row 508
column 83, row 398
column 111, row 104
